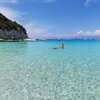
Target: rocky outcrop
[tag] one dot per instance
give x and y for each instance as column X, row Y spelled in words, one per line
column 12, row 35
column 10, row 30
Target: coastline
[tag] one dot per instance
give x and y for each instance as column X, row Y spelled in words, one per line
column 20, row 40
column 30, row 40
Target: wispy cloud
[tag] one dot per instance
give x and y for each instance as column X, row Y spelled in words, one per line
column 9, row 1
column 10, row 13
column 88, row 33
column 44, row 1
column 36, row 30
column 48, row 1
column 89, row 2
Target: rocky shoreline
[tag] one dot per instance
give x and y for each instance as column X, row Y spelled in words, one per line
column 11, row 31
column 1, row 40
column 12, row 35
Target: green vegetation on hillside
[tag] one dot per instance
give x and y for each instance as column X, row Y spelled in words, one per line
column 6, row 24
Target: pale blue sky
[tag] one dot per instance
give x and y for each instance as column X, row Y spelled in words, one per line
column 54, row 18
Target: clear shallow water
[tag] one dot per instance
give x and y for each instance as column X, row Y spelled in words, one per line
column 35, row 71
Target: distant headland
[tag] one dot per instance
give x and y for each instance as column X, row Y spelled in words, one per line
column 11, row 30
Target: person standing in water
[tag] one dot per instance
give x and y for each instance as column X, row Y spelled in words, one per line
column 62, row 46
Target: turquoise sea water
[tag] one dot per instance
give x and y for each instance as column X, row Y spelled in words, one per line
column 35, row 71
